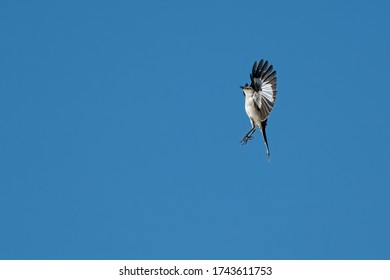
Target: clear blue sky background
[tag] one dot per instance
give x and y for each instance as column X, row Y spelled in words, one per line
column 121, row 120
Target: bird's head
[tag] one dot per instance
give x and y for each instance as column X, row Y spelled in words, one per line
column 247, row 90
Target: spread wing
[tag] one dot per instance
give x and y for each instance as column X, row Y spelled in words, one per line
column 263, row 81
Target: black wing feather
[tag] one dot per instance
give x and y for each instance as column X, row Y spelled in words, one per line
column 270, row 76
column 267, row 72
column 261, row 63
column 264, row 66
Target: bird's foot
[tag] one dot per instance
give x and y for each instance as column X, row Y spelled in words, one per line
column 246, row 139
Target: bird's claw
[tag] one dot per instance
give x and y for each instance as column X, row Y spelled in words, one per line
column 246, row 139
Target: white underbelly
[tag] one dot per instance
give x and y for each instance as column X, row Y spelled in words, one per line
column 252, row 111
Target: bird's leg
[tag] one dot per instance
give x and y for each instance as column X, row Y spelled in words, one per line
column 248, row 136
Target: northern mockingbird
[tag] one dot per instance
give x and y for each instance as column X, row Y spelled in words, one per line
column 260, row 99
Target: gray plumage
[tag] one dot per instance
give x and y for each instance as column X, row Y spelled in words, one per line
column 260, row 98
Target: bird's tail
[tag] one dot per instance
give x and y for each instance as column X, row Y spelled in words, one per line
column 263, row 126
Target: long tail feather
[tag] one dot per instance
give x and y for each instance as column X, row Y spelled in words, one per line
column 263, row 126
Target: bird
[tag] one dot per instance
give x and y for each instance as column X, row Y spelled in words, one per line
column 260, row 98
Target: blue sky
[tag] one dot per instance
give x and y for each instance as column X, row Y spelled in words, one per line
column 121, row 121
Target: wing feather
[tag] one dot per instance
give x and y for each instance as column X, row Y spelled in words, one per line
column 267, row 72
column 261, row 63
column 263, row 81
column 265, row 65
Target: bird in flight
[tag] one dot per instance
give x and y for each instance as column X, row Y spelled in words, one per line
column 260, row 99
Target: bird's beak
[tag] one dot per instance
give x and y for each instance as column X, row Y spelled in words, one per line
column 241, row 87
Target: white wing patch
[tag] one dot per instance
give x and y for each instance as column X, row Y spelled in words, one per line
column 267, row 92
